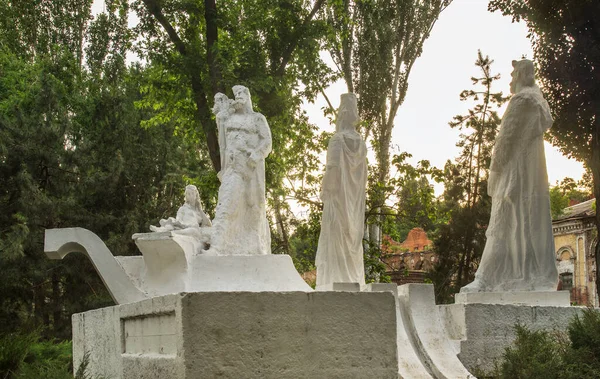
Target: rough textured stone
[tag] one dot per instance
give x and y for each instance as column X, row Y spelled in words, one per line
column 543, row 298
column 483, row 331
column 425, row 330
column 243, row 334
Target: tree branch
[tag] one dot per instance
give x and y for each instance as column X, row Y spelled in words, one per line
column 287, row 54
column 155, row 10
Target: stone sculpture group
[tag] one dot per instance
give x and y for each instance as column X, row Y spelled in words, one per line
column 518, row 255
column 240, row 226
column 207, row 298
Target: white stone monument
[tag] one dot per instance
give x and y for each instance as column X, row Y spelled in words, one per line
column 189, row 253
column 519, row 251
column 190, row 216
column 340, row 252
column 191, row 307
column 240, row 224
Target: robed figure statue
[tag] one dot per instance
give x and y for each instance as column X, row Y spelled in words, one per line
column 240, row 226
column 519, row 251
column 340, row 251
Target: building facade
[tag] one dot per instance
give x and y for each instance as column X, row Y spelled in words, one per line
column 575, row 237
column 410, row 260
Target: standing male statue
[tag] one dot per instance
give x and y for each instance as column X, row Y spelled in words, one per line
column 340, row 252
column 240, row 226
column 519, row 251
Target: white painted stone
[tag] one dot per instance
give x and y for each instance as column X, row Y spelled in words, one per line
column 483, row 331
column 381, row 287
column 240, row 226
column 60, row 242
column 246, row 273
column 169, row 265
column 519, row 251
column 98, row 333
column 409, row 363
column 190, row 216
column 545, row 298
column 339, row 287
column 243, row 334
column 340, row 251
column 425, row 330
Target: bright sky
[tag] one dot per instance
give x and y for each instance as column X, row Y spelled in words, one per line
column 442, row 72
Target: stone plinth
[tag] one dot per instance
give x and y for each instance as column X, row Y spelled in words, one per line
column 242, row 334
column 534, row 298
column 482, row 331
column 339, row 287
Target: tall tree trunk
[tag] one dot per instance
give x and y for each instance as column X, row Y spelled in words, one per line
column 281, row 226
column 212, row 46
column 383, row 171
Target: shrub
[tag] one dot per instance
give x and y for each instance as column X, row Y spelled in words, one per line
column 24, row 356
column 545, row 355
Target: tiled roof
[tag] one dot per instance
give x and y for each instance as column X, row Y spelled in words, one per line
column 581, row 210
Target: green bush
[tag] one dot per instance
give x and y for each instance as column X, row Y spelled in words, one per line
column 545, row 355
column 24, row 356
column 14, row 348
column 536, row 354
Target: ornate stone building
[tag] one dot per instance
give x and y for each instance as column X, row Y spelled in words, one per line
column 574, row 238
column 408, row 261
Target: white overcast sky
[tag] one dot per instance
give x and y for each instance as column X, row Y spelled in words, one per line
column 440, row 74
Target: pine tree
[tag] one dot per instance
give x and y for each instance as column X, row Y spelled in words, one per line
column 460, row 242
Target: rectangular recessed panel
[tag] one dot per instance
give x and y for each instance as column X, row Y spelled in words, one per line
column 150, row 334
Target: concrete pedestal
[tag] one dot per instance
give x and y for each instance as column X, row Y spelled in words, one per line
column 242, row 335
column 481, row 332
column 535, row 298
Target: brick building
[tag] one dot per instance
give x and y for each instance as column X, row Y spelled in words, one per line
column 408, row 261
column 574, row 238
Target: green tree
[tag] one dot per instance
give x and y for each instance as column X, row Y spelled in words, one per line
column 415, row 204
column 74, row 153
column 374, row 45
column 566, row 47
column 460, row 242
column 200, row 48
column 565, row 192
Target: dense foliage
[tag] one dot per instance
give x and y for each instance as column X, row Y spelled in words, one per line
column 538, row 354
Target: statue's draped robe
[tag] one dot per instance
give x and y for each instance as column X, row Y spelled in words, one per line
column 340, row 252
column 240, row 226
column 519, row 251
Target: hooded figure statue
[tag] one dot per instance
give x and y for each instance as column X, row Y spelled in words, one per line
column 340, row 251
column 519, row 250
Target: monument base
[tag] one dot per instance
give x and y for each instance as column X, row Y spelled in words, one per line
column 242, row 335
column 340, row 287
column 533, row 298
column 481, row 332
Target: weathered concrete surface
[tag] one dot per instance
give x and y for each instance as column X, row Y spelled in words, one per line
column 425, row 329
column 242, row 334
column 543, row 298
column 409, row 363
column 483, row 331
